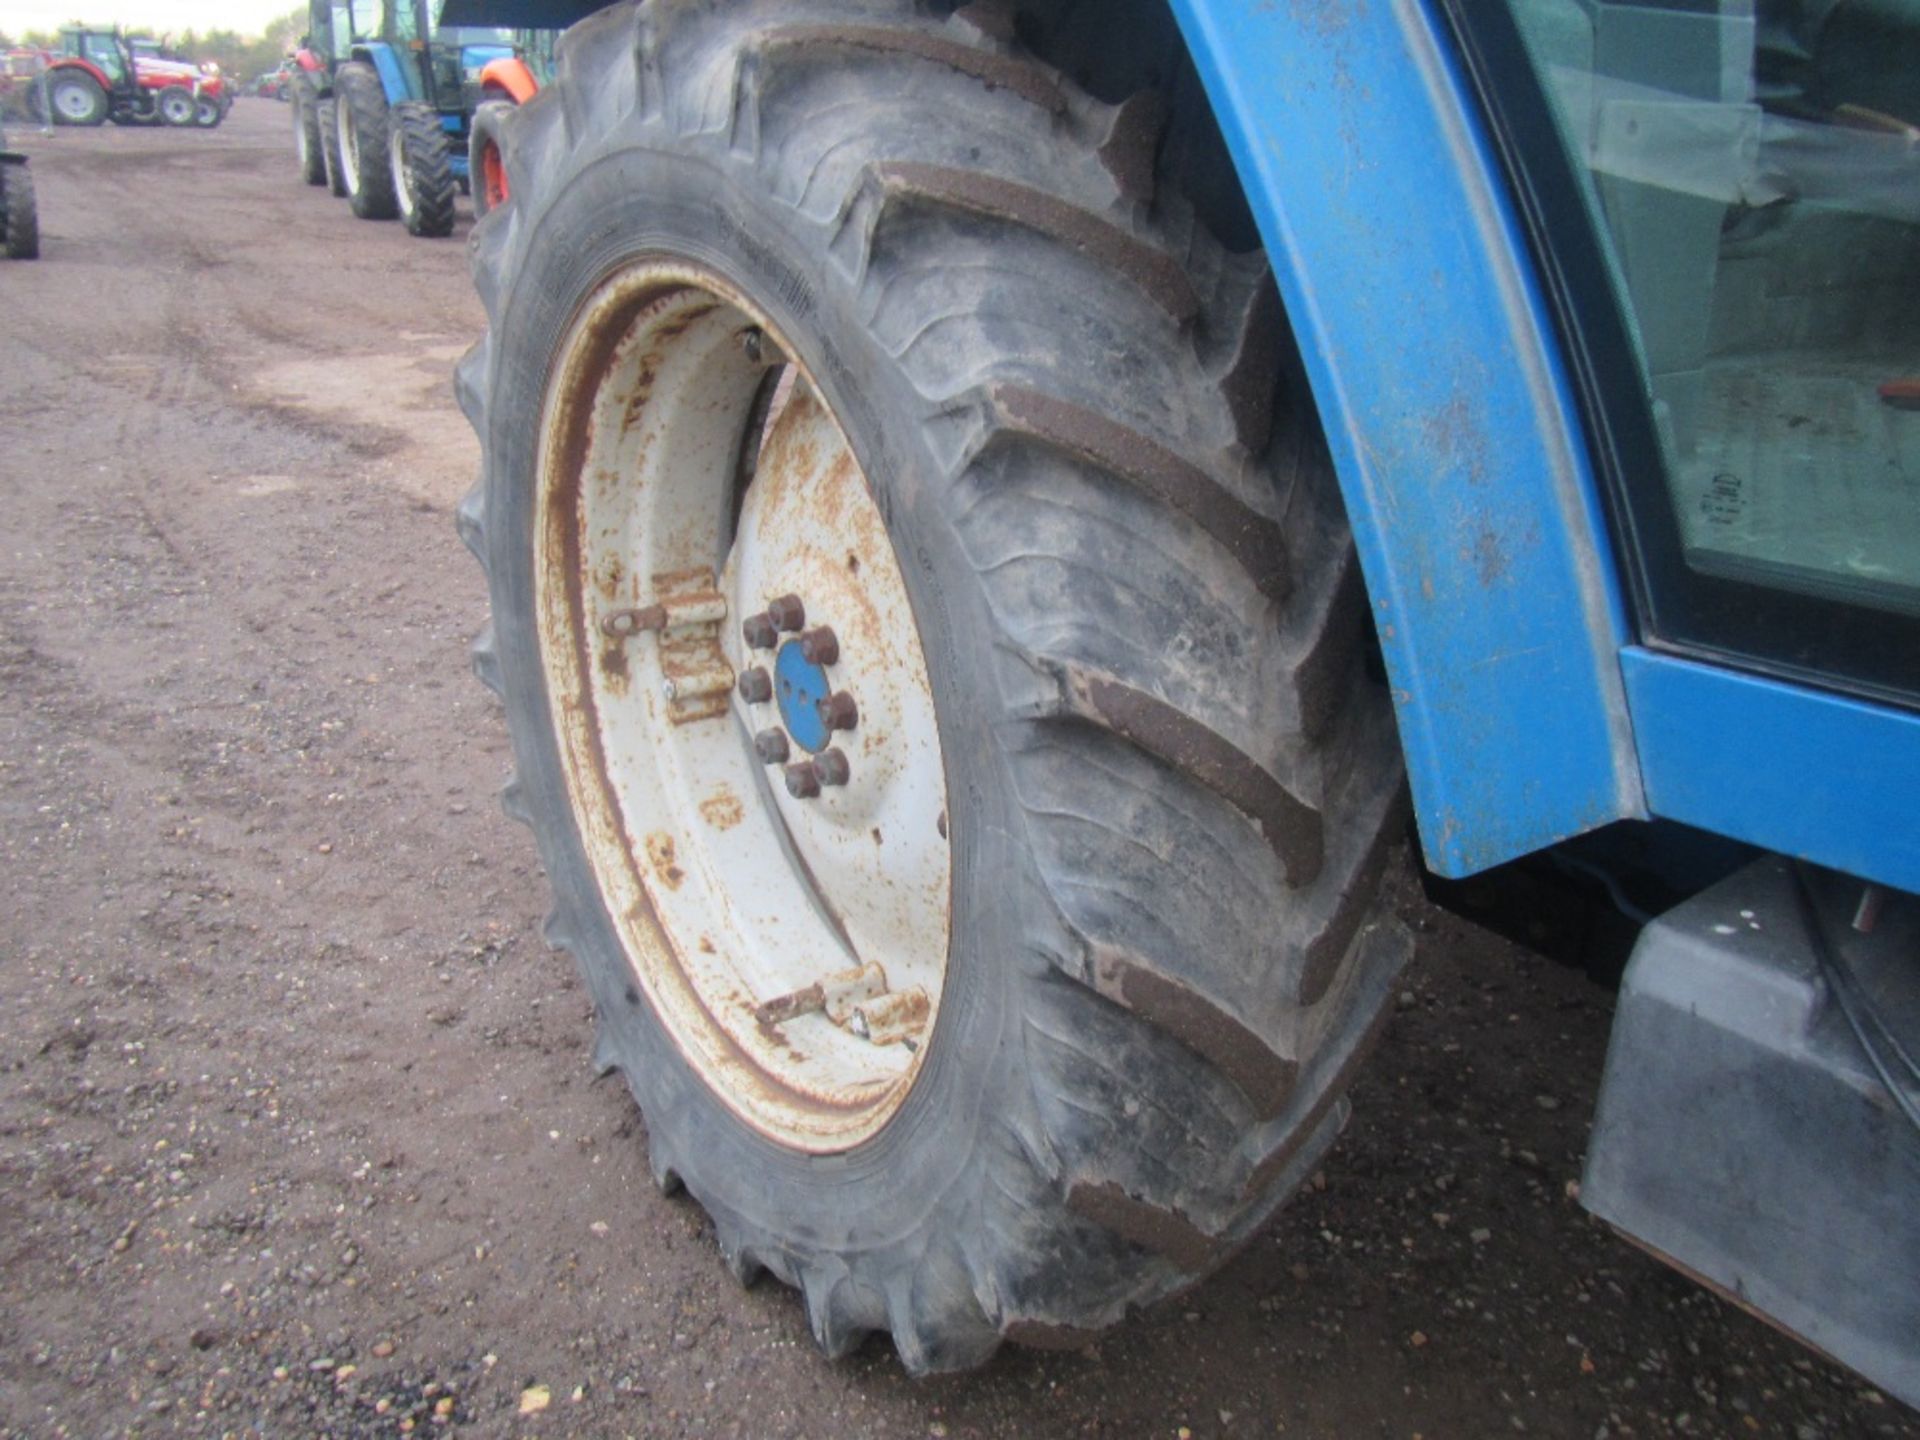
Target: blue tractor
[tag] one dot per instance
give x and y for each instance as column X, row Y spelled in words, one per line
column 997, row 516
column 381, row 112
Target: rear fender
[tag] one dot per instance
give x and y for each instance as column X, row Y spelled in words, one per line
column 511, row 76
column 74, row 62
column 1448, row 411
column 391, row 69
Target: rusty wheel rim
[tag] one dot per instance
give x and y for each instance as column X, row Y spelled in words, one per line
column 742, row 705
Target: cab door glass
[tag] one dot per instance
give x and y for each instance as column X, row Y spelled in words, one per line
column 1753, row 170
column 366, row 17
column 103, row 51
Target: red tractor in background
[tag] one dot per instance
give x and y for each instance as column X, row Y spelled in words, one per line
column 156, row 62
column 98, row 77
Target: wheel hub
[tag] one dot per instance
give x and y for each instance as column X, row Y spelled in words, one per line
column 801, row 690
column 743, row 707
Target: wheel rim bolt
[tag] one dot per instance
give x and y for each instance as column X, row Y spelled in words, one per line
column 820, row 646
column 802, row 782
column 771, row 747
column 759, row 632
column 756, row 686
column 839, row 712
column 787, row 613
column 830, row 767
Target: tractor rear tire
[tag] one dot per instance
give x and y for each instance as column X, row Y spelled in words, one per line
column 175, row 106
column 308, row 146
column 486, row 175
column 19, row 217
column 1173, row 788
column 76, row 99
column 327, row 113
column 422, row 170
column 361, row 121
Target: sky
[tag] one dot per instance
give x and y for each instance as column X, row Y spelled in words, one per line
column 249, row 17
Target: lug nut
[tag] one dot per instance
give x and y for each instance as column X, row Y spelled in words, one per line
column 838, row 711
column 756, row 686
column 830, row 768
column 759, row 633
column 820, row 646
column 787, row 613
column 771, row 747
column 802, row 782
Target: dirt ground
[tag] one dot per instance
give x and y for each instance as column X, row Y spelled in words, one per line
column 298, row 1130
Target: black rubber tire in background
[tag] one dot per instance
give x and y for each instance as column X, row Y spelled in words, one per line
column 325, row 113
column 19, row 216
column 488, row 117
column 309, row 156
column 361, row 109
column 1173, row 788
column 208, row 112
column 97, row 113
column 424, row 195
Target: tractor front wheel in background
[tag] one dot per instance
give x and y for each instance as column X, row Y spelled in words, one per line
column 932, row 648
column 76, row 99
column 486, row 173
column 175, row 105
column 208, row 112
column 422, row 169
column 307, row 144
column 19, row 217
column 361, row 122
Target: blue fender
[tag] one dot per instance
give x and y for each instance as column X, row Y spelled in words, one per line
column 393, row 72
column 1451, row 420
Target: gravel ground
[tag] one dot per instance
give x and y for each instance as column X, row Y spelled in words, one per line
column 298, row 1133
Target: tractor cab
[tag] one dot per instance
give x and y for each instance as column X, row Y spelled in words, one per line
column 461, row 55
column 107, row 51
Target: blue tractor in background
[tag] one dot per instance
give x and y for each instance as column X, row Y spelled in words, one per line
column 382, row 110
column 997, row 515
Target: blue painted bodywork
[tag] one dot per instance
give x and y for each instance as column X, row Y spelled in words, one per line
column 396, row 76
column 800, row 688
column 1447, row 409
column 400, row 80
column 1441, row 381
column 1809, row 774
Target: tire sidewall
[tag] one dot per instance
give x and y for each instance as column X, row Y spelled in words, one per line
column 884, row 1194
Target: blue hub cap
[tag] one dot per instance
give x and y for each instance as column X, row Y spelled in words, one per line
column 799, row 687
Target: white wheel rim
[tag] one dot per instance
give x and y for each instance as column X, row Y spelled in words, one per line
column 402, row 177
column 177, row 109
column 73, row 100
column 349, row 147
column 727, row 891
